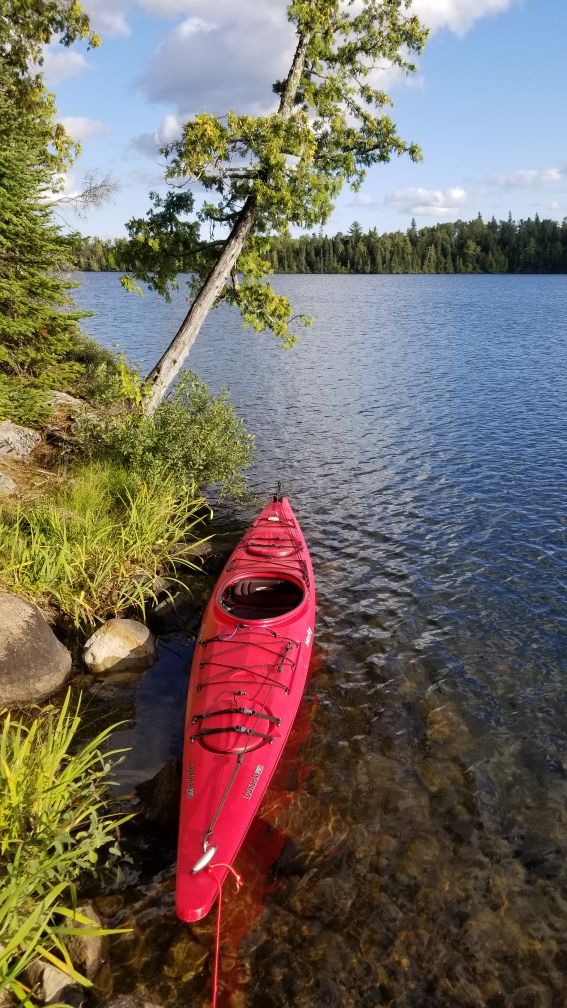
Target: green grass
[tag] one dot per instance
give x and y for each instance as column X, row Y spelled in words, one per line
column 95, row 547
column 56, row 827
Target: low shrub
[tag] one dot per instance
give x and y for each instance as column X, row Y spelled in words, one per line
column 23, row 402
column 194, row 436
column 56, row 827
column 95, row 547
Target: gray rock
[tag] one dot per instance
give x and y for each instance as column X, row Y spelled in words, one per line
column 118, row 646
column 160, row 796
column 69, row 404
column 7, row 486
column 174, row 612
column 52, row 986
column 17, row 442
column 33, row 663
column 89, row 951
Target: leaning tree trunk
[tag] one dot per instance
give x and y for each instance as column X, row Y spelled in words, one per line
column 169, row 365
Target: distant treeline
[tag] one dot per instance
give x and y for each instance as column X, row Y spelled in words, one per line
column 526, row 246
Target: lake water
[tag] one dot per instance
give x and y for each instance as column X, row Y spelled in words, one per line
column 419, row 430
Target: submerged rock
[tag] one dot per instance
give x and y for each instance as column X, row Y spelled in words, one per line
column 33, row 663
column 118, row 646
column 176, row 612
column 160, row 796
column 52, row 986
column 17, row 442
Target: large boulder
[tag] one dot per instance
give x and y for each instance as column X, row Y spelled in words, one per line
column 17, row 442
column 120, row 645
column 33, row 663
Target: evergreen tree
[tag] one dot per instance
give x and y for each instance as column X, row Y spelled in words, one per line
column 39, row 337
column 37, row 332
column 461, row 247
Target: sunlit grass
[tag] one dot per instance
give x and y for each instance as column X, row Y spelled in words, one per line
column 96, row 547
column 56, row 826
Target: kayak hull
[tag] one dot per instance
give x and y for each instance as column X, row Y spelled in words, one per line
column 247, row 679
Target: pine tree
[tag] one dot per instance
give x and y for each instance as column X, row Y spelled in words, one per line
column 38, row 333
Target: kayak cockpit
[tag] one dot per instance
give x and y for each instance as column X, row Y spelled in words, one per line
column 260, row 598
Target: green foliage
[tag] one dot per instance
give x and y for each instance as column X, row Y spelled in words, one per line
column 91, row 254
column 40, row 339
column 163, row 243
column 525, row 246
column 95, row 548
column 23, row 403
column 528, row 246
column 194, row 437
column 286, row 168
column 56, row 827
column 37, row 330
column 26, row 28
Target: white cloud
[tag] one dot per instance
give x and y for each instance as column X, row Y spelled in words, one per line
column 59, row 63
column 201, row 66
column 233, row 62
column 65, row 187
column 112, row 17
column 109, row 16
column 457, row 15
column 532, row 178
column 169, row 130
column 193, row 26
column 362, row 200
column 428, row 202
column 81, row 127
column 169, row 7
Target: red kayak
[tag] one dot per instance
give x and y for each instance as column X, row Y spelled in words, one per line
column 247, row 679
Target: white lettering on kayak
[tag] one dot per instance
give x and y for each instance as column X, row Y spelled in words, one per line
column 308, row 635
column 190, row 791
column 250, row 787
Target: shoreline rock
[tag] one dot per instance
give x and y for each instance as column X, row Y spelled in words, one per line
column 17, row 442
column 7, row 486
column 120, row 645
column 33, row 662
column 159, row 796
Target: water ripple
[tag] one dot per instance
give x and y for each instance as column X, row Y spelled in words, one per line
column 419, row 429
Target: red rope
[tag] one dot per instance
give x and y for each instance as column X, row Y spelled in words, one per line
column 238, row 880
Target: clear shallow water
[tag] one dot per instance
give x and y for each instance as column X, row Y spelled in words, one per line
column 419, row 430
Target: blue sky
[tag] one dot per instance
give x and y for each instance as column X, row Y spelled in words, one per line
column 487, row 105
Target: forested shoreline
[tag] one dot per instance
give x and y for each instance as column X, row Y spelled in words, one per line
column 477, row 246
